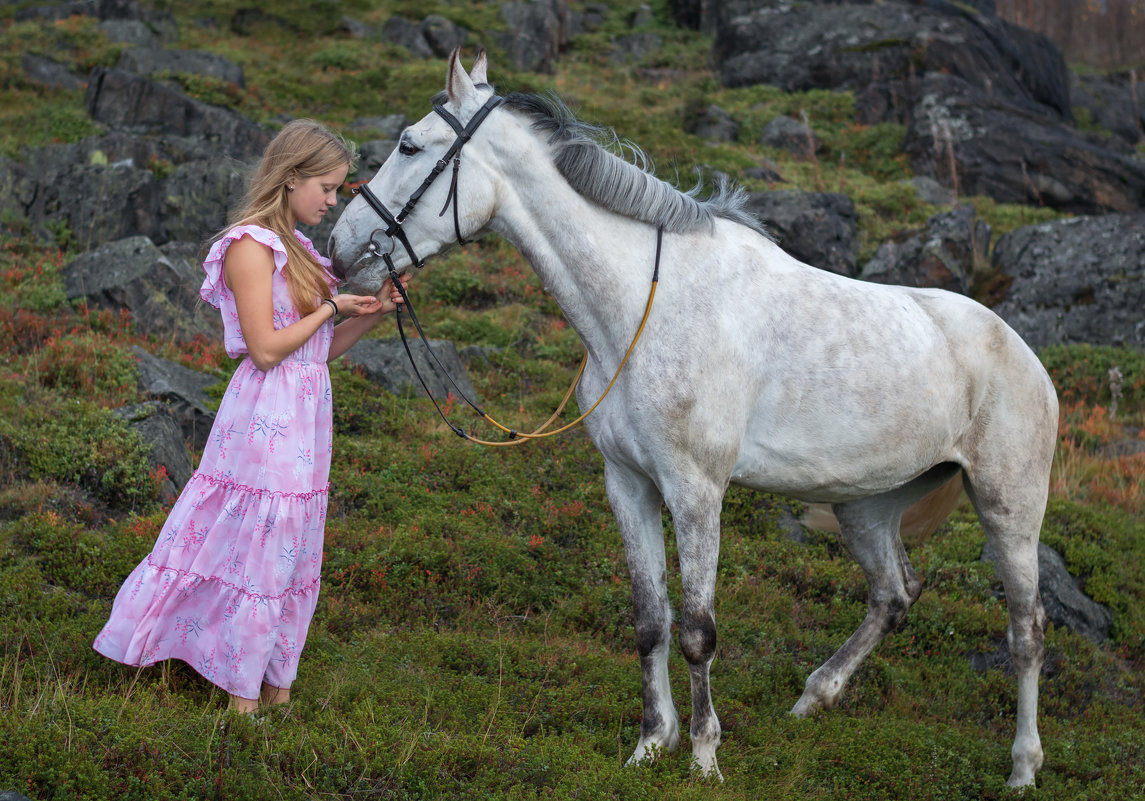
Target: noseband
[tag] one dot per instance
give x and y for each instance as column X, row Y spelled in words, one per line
column 393, row 222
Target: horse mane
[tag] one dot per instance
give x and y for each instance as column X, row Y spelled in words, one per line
column 582, row 154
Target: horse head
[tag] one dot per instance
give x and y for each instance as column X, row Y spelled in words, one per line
column 425, row 171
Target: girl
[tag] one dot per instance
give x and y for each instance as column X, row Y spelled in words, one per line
column 231, row 584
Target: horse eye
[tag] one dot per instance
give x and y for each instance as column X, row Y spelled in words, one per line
column 406, row 149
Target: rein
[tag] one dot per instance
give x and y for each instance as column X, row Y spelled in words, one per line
column 516, row 437
column 396, row 234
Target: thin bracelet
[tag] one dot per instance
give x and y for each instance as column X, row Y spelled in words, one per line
column 332, row 305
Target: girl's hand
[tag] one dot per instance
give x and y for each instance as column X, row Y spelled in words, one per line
column 389, row 296
column 357, row 305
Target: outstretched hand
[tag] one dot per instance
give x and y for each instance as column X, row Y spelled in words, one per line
column 357, row 305
column 386, row 300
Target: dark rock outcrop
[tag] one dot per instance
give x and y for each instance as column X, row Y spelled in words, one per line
column 791, row 135
column 160, row 294
column 1114, row 102
column 885, row 47
column 158, row 428
column 133, row 103
column 182, row 391
column 817, row 228
column 196, row 198
column 129, row 31
column 433, row 37
column 384, row 361
column 713, row 124
column 389, row 126
column 538, row 31
column 1079, row 280
column 941, row 255
column 1015, row 156
column 149, row 61
column 118, row 185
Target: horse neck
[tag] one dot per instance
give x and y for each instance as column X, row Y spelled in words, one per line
column 596, row 264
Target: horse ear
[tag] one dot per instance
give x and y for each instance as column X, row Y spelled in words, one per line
column 480, row 67
column 458, row 85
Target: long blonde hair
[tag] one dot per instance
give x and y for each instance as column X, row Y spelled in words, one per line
column 302, row 149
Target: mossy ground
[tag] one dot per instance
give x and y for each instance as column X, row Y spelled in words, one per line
column 473, row 637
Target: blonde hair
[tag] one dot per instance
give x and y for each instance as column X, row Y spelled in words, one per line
column 302, row 149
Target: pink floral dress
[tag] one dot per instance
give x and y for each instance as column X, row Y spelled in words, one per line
column 231, row 584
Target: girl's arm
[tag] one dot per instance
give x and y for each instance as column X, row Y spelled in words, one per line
column 249, row 270
column 348, row 332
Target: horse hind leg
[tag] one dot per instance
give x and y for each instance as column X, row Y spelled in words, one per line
column 870, row 531
column 1009, row 454
column 1012, row 524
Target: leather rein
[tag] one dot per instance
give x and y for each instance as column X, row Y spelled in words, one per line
column 396, row 234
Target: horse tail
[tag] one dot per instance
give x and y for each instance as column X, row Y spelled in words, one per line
column 919, row 521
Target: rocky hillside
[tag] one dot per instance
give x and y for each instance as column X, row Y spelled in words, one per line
column 986, row 109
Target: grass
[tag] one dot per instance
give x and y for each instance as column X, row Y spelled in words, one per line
column 474, row 636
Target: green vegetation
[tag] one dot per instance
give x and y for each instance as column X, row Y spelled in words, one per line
column 473, row 637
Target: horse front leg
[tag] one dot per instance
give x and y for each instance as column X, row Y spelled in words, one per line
column 697, row 521
column 636, row 504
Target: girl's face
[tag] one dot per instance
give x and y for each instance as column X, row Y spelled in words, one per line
column 312, row 196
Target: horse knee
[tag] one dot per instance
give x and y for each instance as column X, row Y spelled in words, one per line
column 698, row 638
column 649, row 637
column 652, row 631
column 1026, row 639
column 892, row 610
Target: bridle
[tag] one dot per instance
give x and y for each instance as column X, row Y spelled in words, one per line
column 396, row 234
column 394, row 222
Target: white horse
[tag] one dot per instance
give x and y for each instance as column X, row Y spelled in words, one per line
column 754, row 368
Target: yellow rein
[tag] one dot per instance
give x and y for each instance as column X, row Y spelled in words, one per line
column 519, row 437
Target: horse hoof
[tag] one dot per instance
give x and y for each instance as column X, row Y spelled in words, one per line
column 712, row 771
column 1020, row 779
column 1027, row 759
column 806, row 706
column 648, row 750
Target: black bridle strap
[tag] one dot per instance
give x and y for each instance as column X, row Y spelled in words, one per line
column 393, row 225
column 434, row 363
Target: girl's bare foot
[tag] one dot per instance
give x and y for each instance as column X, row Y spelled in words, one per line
column 244, row 705
column 273, row 696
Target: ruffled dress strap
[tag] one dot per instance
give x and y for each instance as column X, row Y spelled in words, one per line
column 214, row 289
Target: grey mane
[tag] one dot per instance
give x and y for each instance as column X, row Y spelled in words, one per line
column 580, row 155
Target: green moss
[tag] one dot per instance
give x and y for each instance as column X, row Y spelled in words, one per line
column 75, row 441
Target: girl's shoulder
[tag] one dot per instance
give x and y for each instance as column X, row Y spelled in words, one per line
column 214, row 289
column 260, row 234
